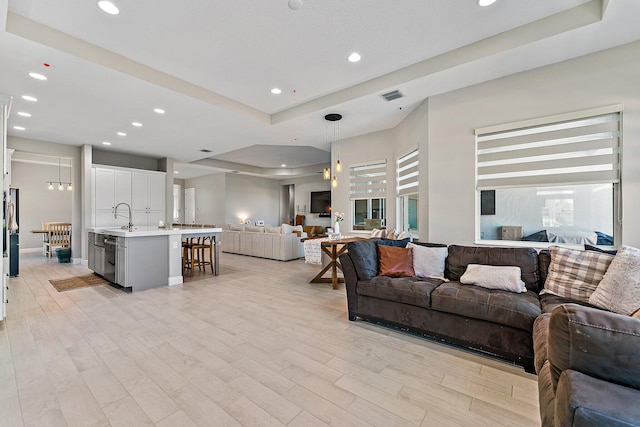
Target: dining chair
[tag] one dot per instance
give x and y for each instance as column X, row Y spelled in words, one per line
column 59, row 236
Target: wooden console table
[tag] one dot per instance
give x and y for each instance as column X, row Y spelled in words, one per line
column 333, row 248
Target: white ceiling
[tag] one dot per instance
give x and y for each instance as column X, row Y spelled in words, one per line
column 211, row 63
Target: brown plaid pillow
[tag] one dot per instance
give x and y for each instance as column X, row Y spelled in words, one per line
column 575, row 274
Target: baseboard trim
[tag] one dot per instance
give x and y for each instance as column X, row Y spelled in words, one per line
column 175, row 280
column 29, row 250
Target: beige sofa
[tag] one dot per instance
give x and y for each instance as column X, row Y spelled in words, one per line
column 279, row 243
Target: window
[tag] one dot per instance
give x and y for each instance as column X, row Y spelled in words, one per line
column 368, row 185
column 408, row 170
column 555, row 179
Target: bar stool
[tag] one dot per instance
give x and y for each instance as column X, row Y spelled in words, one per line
column 198, row 250
column 187, row 254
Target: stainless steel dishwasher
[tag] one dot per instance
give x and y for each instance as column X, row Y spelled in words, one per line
column 110, row 258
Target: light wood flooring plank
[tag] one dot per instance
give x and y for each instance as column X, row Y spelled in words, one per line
column 256, row 345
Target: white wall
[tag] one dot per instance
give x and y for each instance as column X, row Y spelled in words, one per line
column 257, row 198
column 302, row 189
column 600, row 79
column 362, row 149
column 443, row 129
column 412, row 133
column 37, row 203
column 389, row 144
column 210, row 198
column 77, row 210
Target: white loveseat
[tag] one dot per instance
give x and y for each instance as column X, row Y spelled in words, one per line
column 279, row 243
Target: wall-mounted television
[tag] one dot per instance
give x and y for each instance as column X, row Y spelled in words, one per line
column 321, row 202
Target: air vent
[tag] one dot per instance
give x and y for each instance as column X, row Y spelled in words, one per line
column 390, row 96
column 204, row 150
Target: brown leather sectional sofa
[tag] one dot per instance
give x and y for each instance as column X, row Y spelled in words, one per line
column 587, row 359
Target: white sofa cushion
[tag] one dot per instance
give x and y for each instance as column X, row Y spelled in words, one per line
column 273, row 230
column 254, row 228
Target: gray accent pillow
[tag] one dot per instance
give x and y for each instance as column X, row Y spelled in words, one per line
column 364, row 254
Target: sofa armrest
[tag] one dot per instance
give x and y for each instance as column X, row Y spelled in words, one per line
column 596, row 342
column 350, row 283
column 582, row 400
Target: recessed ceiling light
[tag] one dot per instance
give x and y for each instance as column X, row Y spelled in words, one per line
column 38, row 76
column 23, row 114
column 484, row 3
column 108, row 7
column 29, row 98
column 136, row 124
column 159, row 110
column 106, row 143
column 176, row 172
column 354, row 57
column 283, row 165
column 276, row 91
column 295, row 4
column 19, row 128
column 121, row 134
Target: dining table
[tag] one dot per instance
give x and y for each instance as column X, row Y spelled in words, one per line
column 333, row 247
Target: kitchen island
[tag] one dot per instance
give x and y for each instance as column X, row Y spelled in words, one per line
column 143, row 258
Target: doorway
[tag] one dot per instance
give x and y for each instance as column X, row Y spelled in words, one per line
column 190, row 205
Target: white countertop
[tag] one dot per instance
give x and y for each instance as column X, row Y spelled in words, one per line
column 153, row 231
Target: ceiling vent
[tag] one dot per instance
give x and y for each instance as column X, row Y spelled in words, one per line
column 390, row 96
column 204, row 150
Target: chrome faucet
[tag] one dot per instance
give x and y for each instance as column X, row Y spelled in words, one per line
column 115, row 215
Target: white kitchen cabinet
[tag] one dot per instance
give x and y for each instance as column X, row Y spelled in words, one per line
column 148, row 190
column 144, row 218
column 148, row 198
column 142, row 190
column 112, row 186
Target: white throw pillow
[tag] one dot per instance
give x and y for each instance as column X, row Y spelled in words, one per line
column 505, row 278
column 236, row 227
column 619, row 289
column 254, row 228
column 271, row 229
column 286, row 228
column 428, row 261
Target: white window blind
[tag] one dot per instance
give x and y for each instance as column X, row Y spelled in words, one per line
column 368, row 181
column 579, row 151
column 408, row 173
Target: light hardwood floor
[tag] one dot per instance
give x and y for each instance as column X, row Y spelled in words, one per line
column 256, row 346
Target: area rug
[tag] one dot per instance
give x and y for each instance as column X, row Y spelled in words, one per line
column 62, row 285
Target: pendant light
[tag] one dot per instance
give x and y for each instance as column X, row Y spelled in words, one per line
column 59, row 181
column 333, row 140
